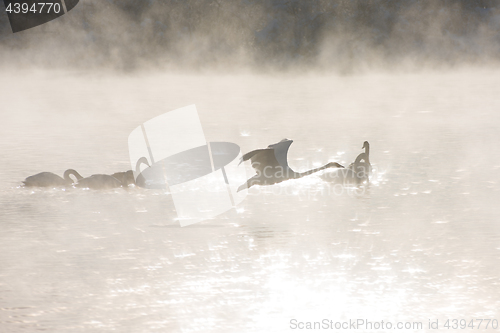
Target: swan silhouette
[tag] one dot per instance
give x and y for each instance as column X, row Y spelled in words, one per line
column 355, row 174
column 271, row 164
column 363, row 169
column 47, row 179
column 126, row 177
column 118, row 179
column 99, row 182
column 140, row 180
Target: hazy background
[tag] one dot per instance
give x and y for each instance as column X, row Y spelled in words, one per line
column 345, row 36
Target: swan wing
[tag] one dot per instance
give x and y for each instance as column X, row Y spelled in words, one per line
column 249, row 155
column 281, row 152
column 262, row 158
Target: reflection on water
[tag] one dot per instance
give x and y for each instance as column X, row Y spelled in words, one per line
column 421, row 242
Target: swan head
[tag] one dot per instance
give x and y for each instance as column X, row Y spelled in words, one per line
column 365, row 145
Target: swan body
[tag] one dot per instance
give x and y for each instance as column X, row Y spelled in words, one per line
column 45, row 179
column 271, row 165
column 118, row 179
column 48, row 179
column 126, row 178
column 103, row 182
column 99, row 182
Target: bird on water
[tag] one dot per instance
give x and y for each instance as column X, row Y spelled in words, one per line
column 125, row 177
column 271, row 165
column 355, row 174
column 362, row 167
column 48, row 179
column 96, row 182
column 99, row 182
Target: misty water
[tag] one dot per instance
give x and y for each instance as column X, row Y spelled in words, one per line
column 420, row 242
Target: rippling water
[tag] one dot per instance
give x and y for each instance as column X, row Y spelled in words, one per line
column 421, row 242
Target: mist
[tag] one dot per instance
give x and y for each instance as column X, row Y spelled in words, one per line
column 261, row 35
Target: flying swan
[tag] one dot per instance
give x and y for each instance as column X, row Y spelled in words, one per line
column 271, row 164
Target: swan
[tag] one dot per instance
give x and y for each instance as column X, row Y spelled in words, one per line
column 102, row 181
column 126, row 178
column 47, row 179
column 355, row 174
column 99, row 182
column 271, row 164
column 363, row 168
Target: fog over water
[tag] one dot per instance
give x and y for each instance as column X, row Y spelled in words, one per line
column 343, row 36
column 420, row 243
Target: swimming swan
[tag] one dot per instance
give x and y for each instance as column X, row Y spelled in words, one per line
column 118, row 179
column 271, row 164
column 364, row 168
column 99, row 182
column 355, row 174
column 47, row 179
column 126, row 178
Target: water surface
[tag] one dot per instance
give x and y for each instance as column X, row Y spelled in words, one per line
column 421, row 242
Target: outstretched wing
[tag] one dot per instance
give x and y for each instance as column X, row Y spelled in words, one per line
column 261, row 158
column 249, row 155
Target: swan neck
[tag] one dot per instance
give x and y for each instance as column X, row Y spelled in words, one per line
column 306, row 173
column 360, row 157
column 142, row 160
column 70, row 172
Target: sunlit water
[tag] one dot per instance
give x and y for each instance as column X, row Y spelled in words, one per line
column 422, row 242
